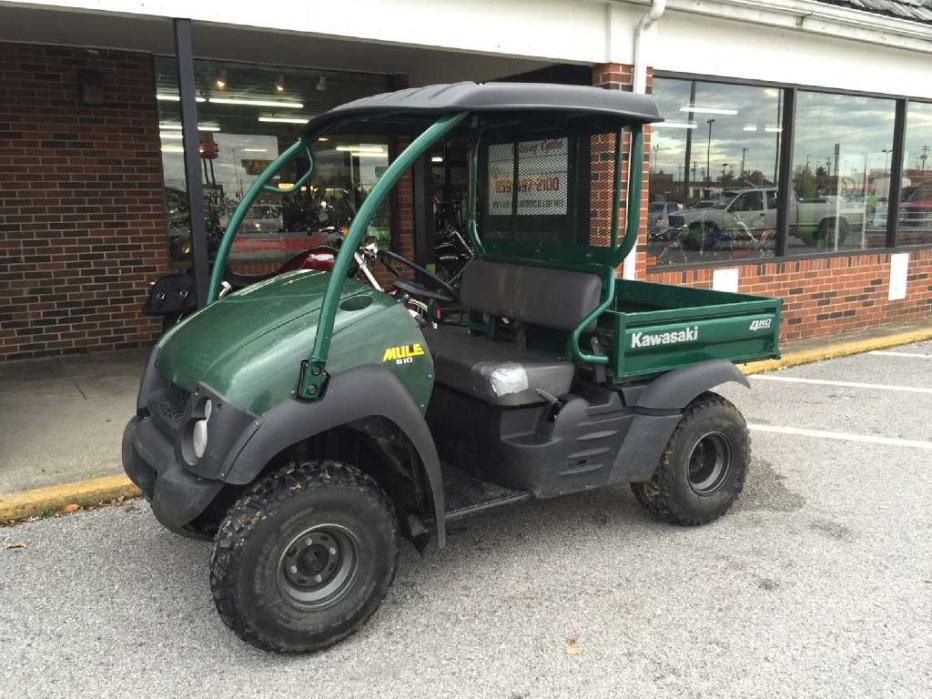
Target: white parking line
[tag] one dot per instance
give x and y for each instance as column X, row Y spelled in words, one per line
column 843, row 436
column 911, row 355
column 846, row 384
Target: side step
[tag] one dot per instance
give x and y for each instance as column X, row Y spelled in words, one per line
column 467, row 495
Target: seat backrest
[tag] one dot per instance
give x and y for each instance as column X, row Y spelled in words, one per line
column 552, row 298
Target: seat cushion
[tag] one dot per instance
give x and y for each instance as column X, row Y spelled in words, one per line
column 494, row 372
column 553, row 298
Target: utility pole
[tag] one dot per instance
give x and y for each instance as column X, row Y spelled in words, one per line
column 923, row 157
column 708, row 150
column 744, row 152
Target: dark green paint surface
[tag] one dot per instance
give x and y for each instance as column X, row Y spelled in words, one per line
column 249, row 346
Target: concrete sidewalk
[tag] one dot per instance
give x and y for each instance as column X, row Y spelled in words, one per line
column 62, row 419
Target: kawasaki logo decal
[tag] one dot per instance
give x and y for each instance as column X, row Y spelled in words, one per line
column 667, row 338
column 761, row 324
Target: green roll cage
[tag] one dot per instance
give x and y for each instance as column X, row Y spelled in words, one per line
column 604, row 262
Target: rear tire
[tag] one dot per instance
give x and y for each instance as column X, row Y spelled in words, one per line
column 703, row 468
column 305, row 557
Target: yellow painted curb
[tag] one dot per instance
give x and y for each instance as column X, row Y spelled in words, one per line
column 840, row 349
column 92, row 492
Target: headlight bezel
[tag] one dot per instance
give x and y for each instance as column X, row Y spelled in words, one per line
column 225, row 428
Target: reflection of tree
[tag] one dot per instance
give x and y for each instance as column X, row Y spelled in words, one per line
column 805, row 183
column 756, row 178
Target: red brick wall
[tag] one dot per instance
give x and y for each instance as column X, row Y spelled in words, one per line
column 82, row 216
column 828, row 295
column 615, row 76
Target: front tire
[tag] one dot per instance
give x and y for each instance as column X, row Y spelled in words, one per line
column 703, row 468
column 305, row 557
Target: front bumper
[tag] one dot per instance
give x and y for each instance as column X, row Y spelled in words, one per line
column 176, row 495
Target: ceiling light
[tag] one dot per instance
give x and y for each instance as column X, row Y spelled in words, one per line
column 172, row 149
column 255, row 150
column 220, row 80
column 174, row 126
column 323, row 139
column 772, row 129
column 709, row 110
column 286, row 120
column 255, row 103
column 749, row 127
column 363, row 150
column 164, row 97
column 170, row 135
column 322, row 83
column 280, row 83
column 674, row 125
column 437, row 159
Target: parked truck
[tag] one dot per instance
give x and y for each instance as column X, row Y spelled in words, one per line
column 747, row 218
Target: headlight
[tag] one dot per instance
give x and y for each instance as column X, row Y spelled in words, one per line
column 199, row 438
column 199, row 434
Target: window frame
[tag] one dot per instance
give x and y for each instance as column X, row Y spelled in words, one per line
column 790, row 90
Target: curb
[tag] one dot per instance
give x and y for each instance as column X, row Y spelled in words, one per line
column 834, row 351
column 28, row 503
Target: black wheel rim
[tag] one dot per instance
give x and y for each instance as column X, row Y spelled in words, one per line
column 709, row 463
column 318, row 566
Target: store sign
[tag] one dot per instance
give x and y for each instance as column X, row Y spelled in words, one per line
column 542, row 178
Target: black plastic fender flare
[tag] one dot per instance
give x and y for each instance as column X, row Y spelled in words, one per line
column 675, row 389
column 366, row 391
column 658, row 410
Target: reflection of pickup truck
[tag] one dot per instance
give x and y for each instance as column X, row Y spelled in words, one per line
column 752, row 214
column 916, row 207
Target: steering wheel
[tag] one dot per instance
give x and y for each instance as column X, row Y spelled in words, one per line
column 442, row 291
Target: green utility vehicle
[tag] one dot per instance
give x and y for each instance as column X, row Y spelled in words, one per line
column 309, row 421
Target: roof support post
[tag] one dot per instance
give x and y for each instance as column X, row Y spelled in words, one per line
column 313, row 370
column 187, row 91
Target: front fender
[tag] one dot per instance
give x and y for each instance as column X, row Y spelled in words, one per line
column 674, row 390
column 366, row 391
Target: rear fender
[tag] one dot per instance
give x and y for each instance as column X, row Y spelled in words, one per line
column 658, row 410
column 676, row 389
column 363, row 392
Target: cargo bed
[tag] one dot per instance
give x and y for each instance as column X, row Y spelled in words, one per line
column 652, row 328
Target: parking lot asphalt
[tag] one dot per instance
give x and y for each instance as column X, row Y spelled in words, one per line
column 818, row 582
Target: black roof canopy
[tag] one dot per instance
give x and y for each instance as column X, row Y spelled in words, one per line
column 495, row 98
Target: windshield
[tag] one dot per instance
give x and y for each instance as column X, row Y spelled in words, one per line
column 721, row 203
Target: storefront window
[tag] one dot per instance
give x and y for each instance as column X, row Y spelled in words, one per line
column 713, row 172
column 247, row 115
column 841, row 173
column 915, row 218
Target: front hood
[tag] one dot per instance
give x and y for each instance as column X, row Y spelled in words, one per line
column 214, row 344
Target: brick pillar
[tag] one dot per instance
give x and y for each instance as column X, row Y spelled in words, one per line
column 402, row 202
column 616, row 76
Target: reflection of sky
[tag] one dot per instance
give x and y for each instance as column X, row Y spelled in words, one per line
column 756, row 108
column 861, row 127
column 918, row 136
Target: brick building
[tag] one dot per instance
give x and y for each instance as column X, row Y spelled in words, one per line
column 794, row 160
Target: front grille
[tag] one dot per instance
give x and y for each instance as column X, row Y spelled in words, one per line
column 167, row 407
